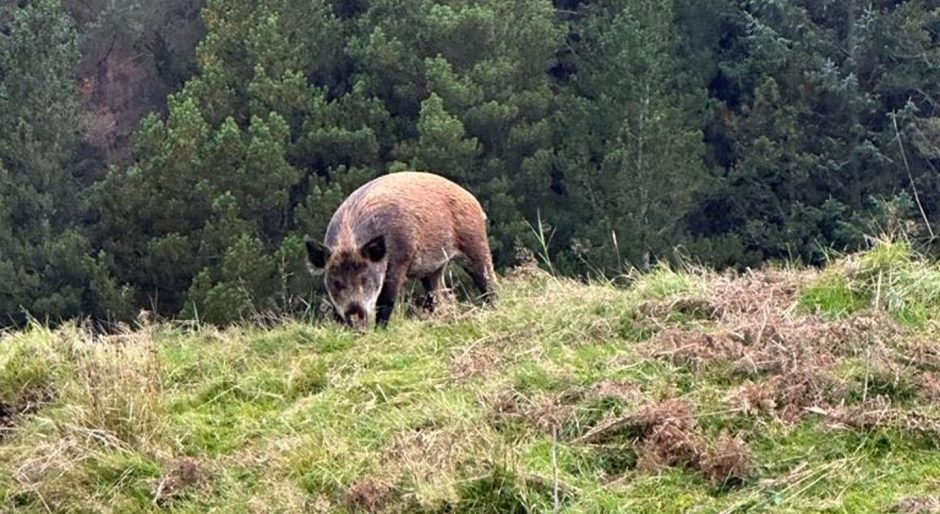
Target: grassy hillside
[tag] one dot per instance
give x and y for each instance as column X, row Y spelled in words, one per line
column 774, row 391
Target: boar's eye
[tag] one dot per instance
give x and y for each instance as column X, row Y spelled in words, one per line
column 364, row 281
column 337, row 285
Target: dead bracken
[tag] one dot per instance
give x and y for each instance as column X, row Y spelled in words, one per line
column 727, row 462
column 667, row 434
column 734, row 296
column 880, row 414
column 784, row 397
column 787, row 359
column 547, row 414
column 670, row 436
column 693, row 348
column 929, row 385
column 922, row 353
column 623, row 391
column 768, row 345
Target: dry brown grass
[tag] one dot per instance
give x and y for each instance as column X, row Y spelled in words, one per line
column 881, row 414
column 428, row 455
column 785, row 397
column 111, row 395
column 667, row 434
column 786, row 358
column 626, row 392
column 929, row 385
column 547, row 414
column 478, row 361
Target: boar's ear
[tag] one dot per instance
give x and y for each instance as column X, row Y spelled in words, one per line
column 374, row 250
column 317, row 255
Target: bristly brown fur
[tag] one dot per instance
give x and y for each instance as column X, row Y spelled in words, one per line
column 347, row 262
column 424, row 221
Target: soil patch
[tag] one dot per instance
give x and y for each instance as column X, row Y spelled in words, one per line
column 367, row 496
column 918, row 505
column 10, row 413
column 185, row 474
column 477, row 362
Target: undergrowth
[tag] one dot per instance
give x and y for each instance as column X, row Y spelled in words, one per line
column 779, row 390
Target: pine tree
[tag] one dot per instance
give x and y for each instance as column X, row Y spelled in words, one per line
column 468, row 88
column 632, row 158
column 45, row 268
column 805, row 125
column 234, row 172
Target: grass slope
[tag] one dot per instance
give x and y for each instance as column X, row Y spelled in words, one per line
column 775, row 391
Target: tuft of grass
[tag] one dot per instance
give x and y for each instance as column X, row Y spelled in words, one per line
column 891, row 276
column 501, row 490
column 29, row 365
column 832, row 295
column 663, row 282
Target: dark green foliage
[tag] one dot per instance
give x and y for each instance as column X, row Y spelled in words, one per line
column 175, row 155
column 804, row 131
column 276, row 131
column 632, row 155
column 45, row 270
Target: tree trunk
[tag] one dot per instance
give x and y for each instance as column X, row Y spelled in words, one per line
column 851, row 67
column 643, row 182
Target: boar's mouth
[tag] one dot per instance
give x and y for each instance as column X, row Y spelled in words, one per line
column 356, row 317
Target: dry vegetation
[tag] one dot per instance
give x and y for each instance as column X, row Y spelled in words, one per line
column 778, row 390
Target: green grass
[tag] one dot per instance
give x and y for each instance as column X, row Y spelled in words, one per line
column 477, row 410
column 891, row 276
column 832, row 295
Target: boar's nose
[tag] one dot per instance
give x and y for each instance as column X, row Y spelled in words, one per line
column 355, row 314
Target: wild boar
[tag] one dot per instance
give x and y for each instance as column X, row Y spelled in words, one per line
column 400, row 226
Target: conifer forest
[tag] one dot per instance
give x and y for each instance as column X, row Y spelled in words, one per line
column 174, row 155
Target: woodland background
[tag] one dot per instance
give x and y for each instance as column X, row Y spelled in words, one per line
column 174, row 154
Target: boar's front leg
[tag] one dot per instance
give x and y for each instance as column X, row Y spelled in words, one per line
column 387, row 297
column 433, row 288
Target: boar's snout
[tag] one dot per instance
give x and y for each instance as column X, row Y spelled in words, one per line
column 356, row 316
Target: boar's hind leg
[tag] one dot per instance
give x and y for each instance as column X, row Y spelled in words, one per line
column 479, row 265
column 433, row 284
